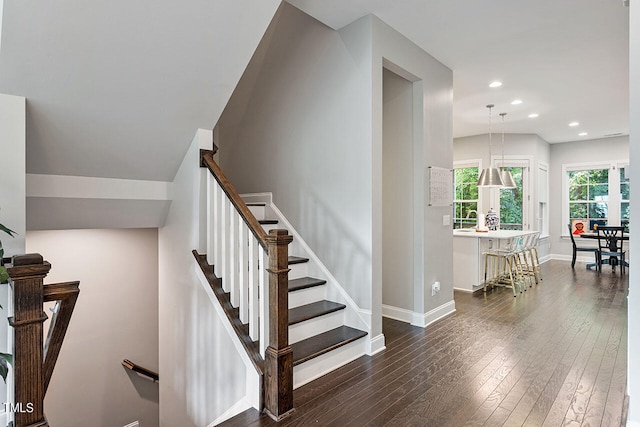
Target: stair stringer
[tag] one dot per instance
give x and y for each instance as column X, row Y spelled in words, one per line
column 333, row 290
column 253, row 379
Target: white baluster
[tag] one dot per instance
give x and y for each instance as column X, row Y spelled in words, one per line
column 214, row 220
column 254, row 307
column 264, row 299
column 233, row 255
column 219, row 230
column 211, row 190
column 243, row 246
column 224, row 250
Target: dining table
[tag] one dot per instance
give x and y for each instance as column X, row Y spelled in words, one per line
column 604, row 261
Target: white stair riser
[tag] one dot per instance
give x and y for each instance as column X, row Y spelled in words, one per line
column 298, row 271
column 318, row 325
column 321, row 365
column 257, row 211
column 267, row 227
column 306, row 296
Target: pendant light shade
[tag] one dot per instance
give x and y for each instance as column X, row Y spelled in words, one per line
column 490, row 177
column 505, row 174
column 507, row 179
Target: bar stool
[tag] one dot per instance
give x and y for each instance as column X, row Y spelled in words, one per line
column 534, row 255
column 504, row 266
column 529, row 258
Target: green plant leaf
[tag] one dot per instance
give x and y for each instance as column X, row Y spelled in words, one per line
column 4, row 276
column 7, row 230
column 5, row 361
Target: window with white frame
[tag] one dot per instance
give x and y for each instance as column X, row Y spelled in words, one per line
column 624, row 195
column 514, row 204
column 594, row 194
column 465, row 188
column 543, row 199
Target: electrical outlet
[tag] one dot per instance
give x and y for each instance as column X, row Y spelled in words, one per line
column 435, row 288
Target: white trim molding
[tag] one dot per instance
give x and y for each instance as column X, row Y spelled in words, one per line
column 376, row 345
column 424, row 320
column 396, row 313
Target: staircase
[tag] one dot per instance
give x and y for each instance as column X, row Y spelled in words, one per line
column 317, row 325
column 293, row 321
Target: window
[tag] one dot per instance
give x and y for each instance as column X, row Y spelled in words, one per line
column 589, row 197
column 465, row 203
column 543, row 199
column 595, row 193
column 511, row 203
column 624, row 195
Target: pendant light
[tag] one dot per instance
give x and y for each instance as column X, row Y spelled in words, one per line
column 490, row 177
column 506, row 176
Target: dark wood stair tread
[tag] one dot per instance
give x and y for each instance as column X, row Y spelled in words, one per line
column 256, row 204
column 267, row 221
column 323, row 343
column 297, row 260
column 313, row 310
column 304, row 283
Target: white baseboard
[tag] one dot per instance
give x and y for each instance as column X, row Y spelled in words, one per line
column 564, row 257
column 375, row 345
column 397, row 313
column 424, row 320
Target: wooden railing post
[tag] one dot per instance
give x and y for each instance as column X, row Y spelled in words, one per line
column 278, row 364
column 27, row 274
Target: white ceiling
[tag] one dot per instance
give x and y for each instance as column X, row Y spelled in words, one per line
column 116, row 88
column 567, row 60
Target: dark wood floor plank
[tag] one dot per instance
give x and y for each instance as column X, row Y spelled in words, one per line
column 556, row 355
column 618, row 386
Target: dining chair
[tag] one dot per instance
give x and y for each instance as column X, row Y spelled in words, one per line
column 577, row 249
column 610, row 241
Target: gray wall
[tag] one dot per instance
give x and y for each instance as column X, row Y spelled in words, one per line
column 397, row 192
column 297, row 126
column 633, row 385
column 202, row 374
column 310, row 131
column 115, row 318
column 433, row 124
column 608, row 149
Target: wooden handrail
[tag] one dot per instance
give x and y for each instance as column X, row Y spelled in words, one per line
column 66, row 295
column 278, row 356
column 206, row 160
column 140, row 370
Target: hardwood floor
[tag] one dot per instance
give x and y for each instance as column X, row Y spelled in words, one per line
column 554, row 356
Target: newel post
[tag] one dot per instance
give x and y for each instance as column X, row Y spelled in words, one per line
column 27, row 274
column 278, row 364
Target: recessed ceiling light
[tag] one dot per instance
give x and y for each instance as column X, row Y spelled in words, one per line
column 516, row 102
column 495, row 84
column 574, row 124
column 533, row 115
column 583, row 134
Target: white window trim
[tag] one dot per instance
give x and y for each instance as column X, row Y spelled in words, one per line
column 614, row 182
column 514, row 160
column 543, row 166
column 470, row 163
